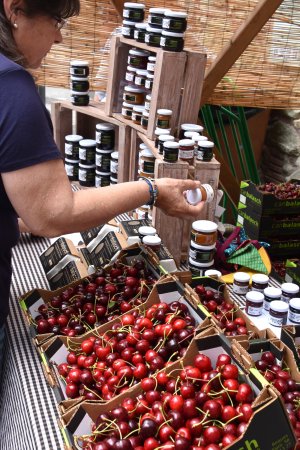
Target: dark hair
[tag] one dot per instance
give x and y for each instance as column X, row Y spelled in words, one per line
column 55, row 8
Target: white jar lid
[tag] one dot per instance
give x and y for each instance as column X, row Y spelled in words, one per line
column 158, row 10
column 136, row 52
column 87, row 143
column 138, row 108
column 154, row 30
column 191, row 134
column 199, row 138
column 202, row 247
column 279, row 305
column 148, row 97
column 143, row 146
column 166, row 138
column 152, row 58
column 79, row 94
column 145, row 113
column 106, row 174
column 207, row 226
column 127, row 105
column 241, row 276
column 290, row 288
column 72, row 161
column 74, row 137
column 260, row 278
column 171, row 144
column 87, row 166
column 198, row 264
column 192, row 127
column 255, row 296
column 133, row 89
column 115, row 155
column 164, row 112
column 128, row 23
column 193, row 196
column 170, row 33
column 79, row 62
column 142, row 72
column 150, row 76
column 147, row 153
column 212, row 272
column 147, row 231
column 104, row 126
column 134, row 5
column 206, row 144
column 114, row 177
column 161, row 131
column 131, row 69
column 179, row 14
column 295, row 302
column 79, row 78
column 272, row 292
column 141, row 26
column 105, row 152
column 151, row 240
column 186, row 142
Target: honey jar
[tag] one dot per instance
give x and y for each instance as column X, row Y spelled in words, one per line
column 204, row 232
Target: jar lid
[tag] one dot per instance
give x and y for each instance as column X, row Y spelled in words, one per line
column 100, row 150
column 147, row 153
column 279, row 305
column 114, row 177
column 179, row 14
column 142, row 72
column 153, row 30
column 127, row 105
column 255, row 296
column 186, row 142
column 115, row 155
column 136, row 52
column 272, row 292
column 106, row 174
column 241, row 276
column 170, row 33
column 139, row 108
column 79, row 78
column 145, row 113
column 212, row 272
column 87, row 143
column 171, row 144
column 164, row 112
column 147, row 231
column 141, row 26
column 143, row 146
column 198, row 264
column 87, row 166
column 104, row 126
column 144, row 207
column 73, row 137
column 133, row 89
column 72, row 161
column 193, row 196
column 166, row 137
column 152, row 58
column 260, row 278
column 129, row 23
column 206, row 144
column 191, row 134
column 79, row 62
column 161, row 131
column 148, row 97
column 207, row 226
column 151, row 240
column 202, row 247
column 290, row 288
column 79, row 94
column 199, row 138
column 191, row 127
column 295, row 302
column 134, row 5
column 158, row 10
column 131, row 69
column 150, row 75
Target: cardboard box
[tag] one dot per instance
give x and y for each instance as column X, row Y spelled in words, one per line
column 92, row 236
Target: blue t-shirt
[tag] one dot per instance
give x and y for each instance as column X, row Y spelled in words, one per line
column 26, row 138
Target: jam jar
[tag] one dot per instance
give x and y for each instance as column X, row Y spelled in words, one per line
column 202, row 253
column 134, row 11
column 170, row 151
column 87, row 151
column 105, row 136
column 133, row 95
column 114, row 163
column 162, row 139
column 147, row 161
column 254, row 303
column 102, row 179
column 189, row 127
column 271, row 294
column 79, row 84
column 149, row 81
column 259, row 282
column 137, row 58
column 128, row 29
column 152, row 36
column 288, row 291
column 159, row 132
column 213, row 273
column 145, row 119
column 198, row 269
column 102, row 159
column 294, row 310
column 204, row 232
column 86, row 175
column 147, row 102
column 146, row 231
column 156, row 15
column 186, row 150
column 153, row 242
column 278, row 313
column 80, row 98
column 140, row 77
column 130, row 74
column 72, row 167
column 175, row 21
column 204, row 152
column 72, row 146
column 127, row 110
column 151, row 64
column 137, row 113
column 140, row 32
column 205, row 193
column 241, row 283
column 79, row 68
column 172, row 42
column 163, row 118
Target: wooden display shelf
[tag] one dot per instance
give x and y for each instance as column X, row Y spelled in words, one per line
column 178, row 78
column 68, row 119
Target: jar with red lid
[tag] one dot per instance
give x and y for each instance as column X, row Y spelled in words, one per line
column 186, row 150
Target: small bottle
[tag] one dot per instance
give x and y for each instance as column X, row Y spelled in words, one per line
column 153, row 242
column 186, row 150
column 151, row 64
column 170, row 151
column 72, row 168
column 105, row 136
column 130, row 74
column 127, row 110
column 137, row 58
column 79, row 68
column 133, row 95
column 163, row 118
column 87, row 151
column 147, row 102
column 172, row 42
column 254, row 303
column 271, row 294
column 156, row 16
column 175, row 21
column 149, row 81
column 72, row 146
column 204, row 152
column 205, row 193
column 86, row 175
column 259, row 282
column 241, row 283
column 147, row 161
column 152, row 36
column 294, row 310
column 288, row 291
column 278, row 313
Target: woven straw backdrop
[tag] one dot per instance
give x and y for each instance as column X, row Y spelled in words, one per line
column 266, row 75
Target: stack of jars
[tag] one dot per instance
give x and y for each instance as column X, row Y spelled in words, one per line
column 202, row 246
column 87, row 166
column 72, row 155
column 133, row 15
column 106, row 158
column 146, row 162
column 79, row 83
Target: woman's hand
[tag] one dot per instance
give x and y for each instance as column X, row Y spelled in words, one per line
column 171, row 198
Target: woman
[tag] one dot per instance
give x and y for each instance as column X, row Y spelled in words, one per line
column 33, row 183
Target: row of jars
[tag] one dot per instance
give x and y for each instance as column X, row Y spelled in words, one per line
column 203, row 238
column 79, row 82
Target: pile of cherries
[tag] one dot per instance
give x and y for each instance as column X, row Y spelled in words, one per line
column 222, row 310
column 137, row 346
column 196, row 408
column 283, row 382
column 282, row 191
column 99, row 298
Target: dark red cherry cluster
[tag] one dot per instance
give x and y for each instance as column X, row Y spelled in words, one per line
column 99, row 298
column 283, row 191
column 198, row 408
column 137, row 346
column 223, row 311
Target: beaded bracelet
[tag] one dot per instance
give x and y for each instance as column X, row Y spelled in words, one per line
column 153, row 190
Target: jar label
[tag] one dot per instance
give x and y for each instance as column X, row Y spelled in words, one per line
column 126, row 31
column 285, row 297
column 82, row 175
column 102, row 181
column 126, row 112
column 98, row 160
column 129, row 76
column 294, row 317
column 69, row 170
column 68, row 149
column 267, row 304
column 254, row 310
column 148, row 167
column 126, row 13
column 82, row 153
column 277, row 321
column 148, row 84
column 166, row 23
column 113, row 166
column 186, row 154
column 242, row 290
column 170, row 156
column 201, row 256
column 147, row 106
column 163, row 41
column 200, row 154
column 140, row 81
column 129, row 98
column 147, row 38
column 204, row 239
column 163, row 123
column 83, row 71
column 150, row 67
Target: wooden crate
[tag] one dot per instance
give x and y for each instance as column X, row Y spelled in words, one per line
column 82, row 120
column 180, row 74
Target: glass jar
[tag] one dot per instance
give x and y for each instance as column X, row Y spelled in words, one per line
column 130, row 74
column 72, row 168
column 137, row 113
column 146, row 231
column 170, row 151
column 79, row 68
column 151, row 64
column 147, row 102
column 162, row 139
column 213, row 273
column 259, row 282
column 204, row 232
column 86, row 175
column 159, row 132
column 198, row 269
column 288, row 291
column 156, row 15
column 143, row 212
column 105, row 136
column 152, row 36
column 186, row 150
column 175, row 21
column 278, row 313
column 128, row 29
column 190, row 127
column 72, row 146
column 172, row 42
column 113, row 179
column 241, row 283
column 102, row 179
column 205, row 193
column 254, row 303
column 127, row 110
column 196, row 137
column 152, row 242
column 163, row 118
column 294, row 310
column 145, row 119
column 80, row 98
column 140, row 77
column 147, row 161
column 138, row 58
column 114, row 163
column 202, row 253
column 79, row 84
column 149, row 81
column 140, row 32
column 204, row 152
column 271, row 294
column 103, row 158
column 133, row 95
column 134, row 11
column 87, row 151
